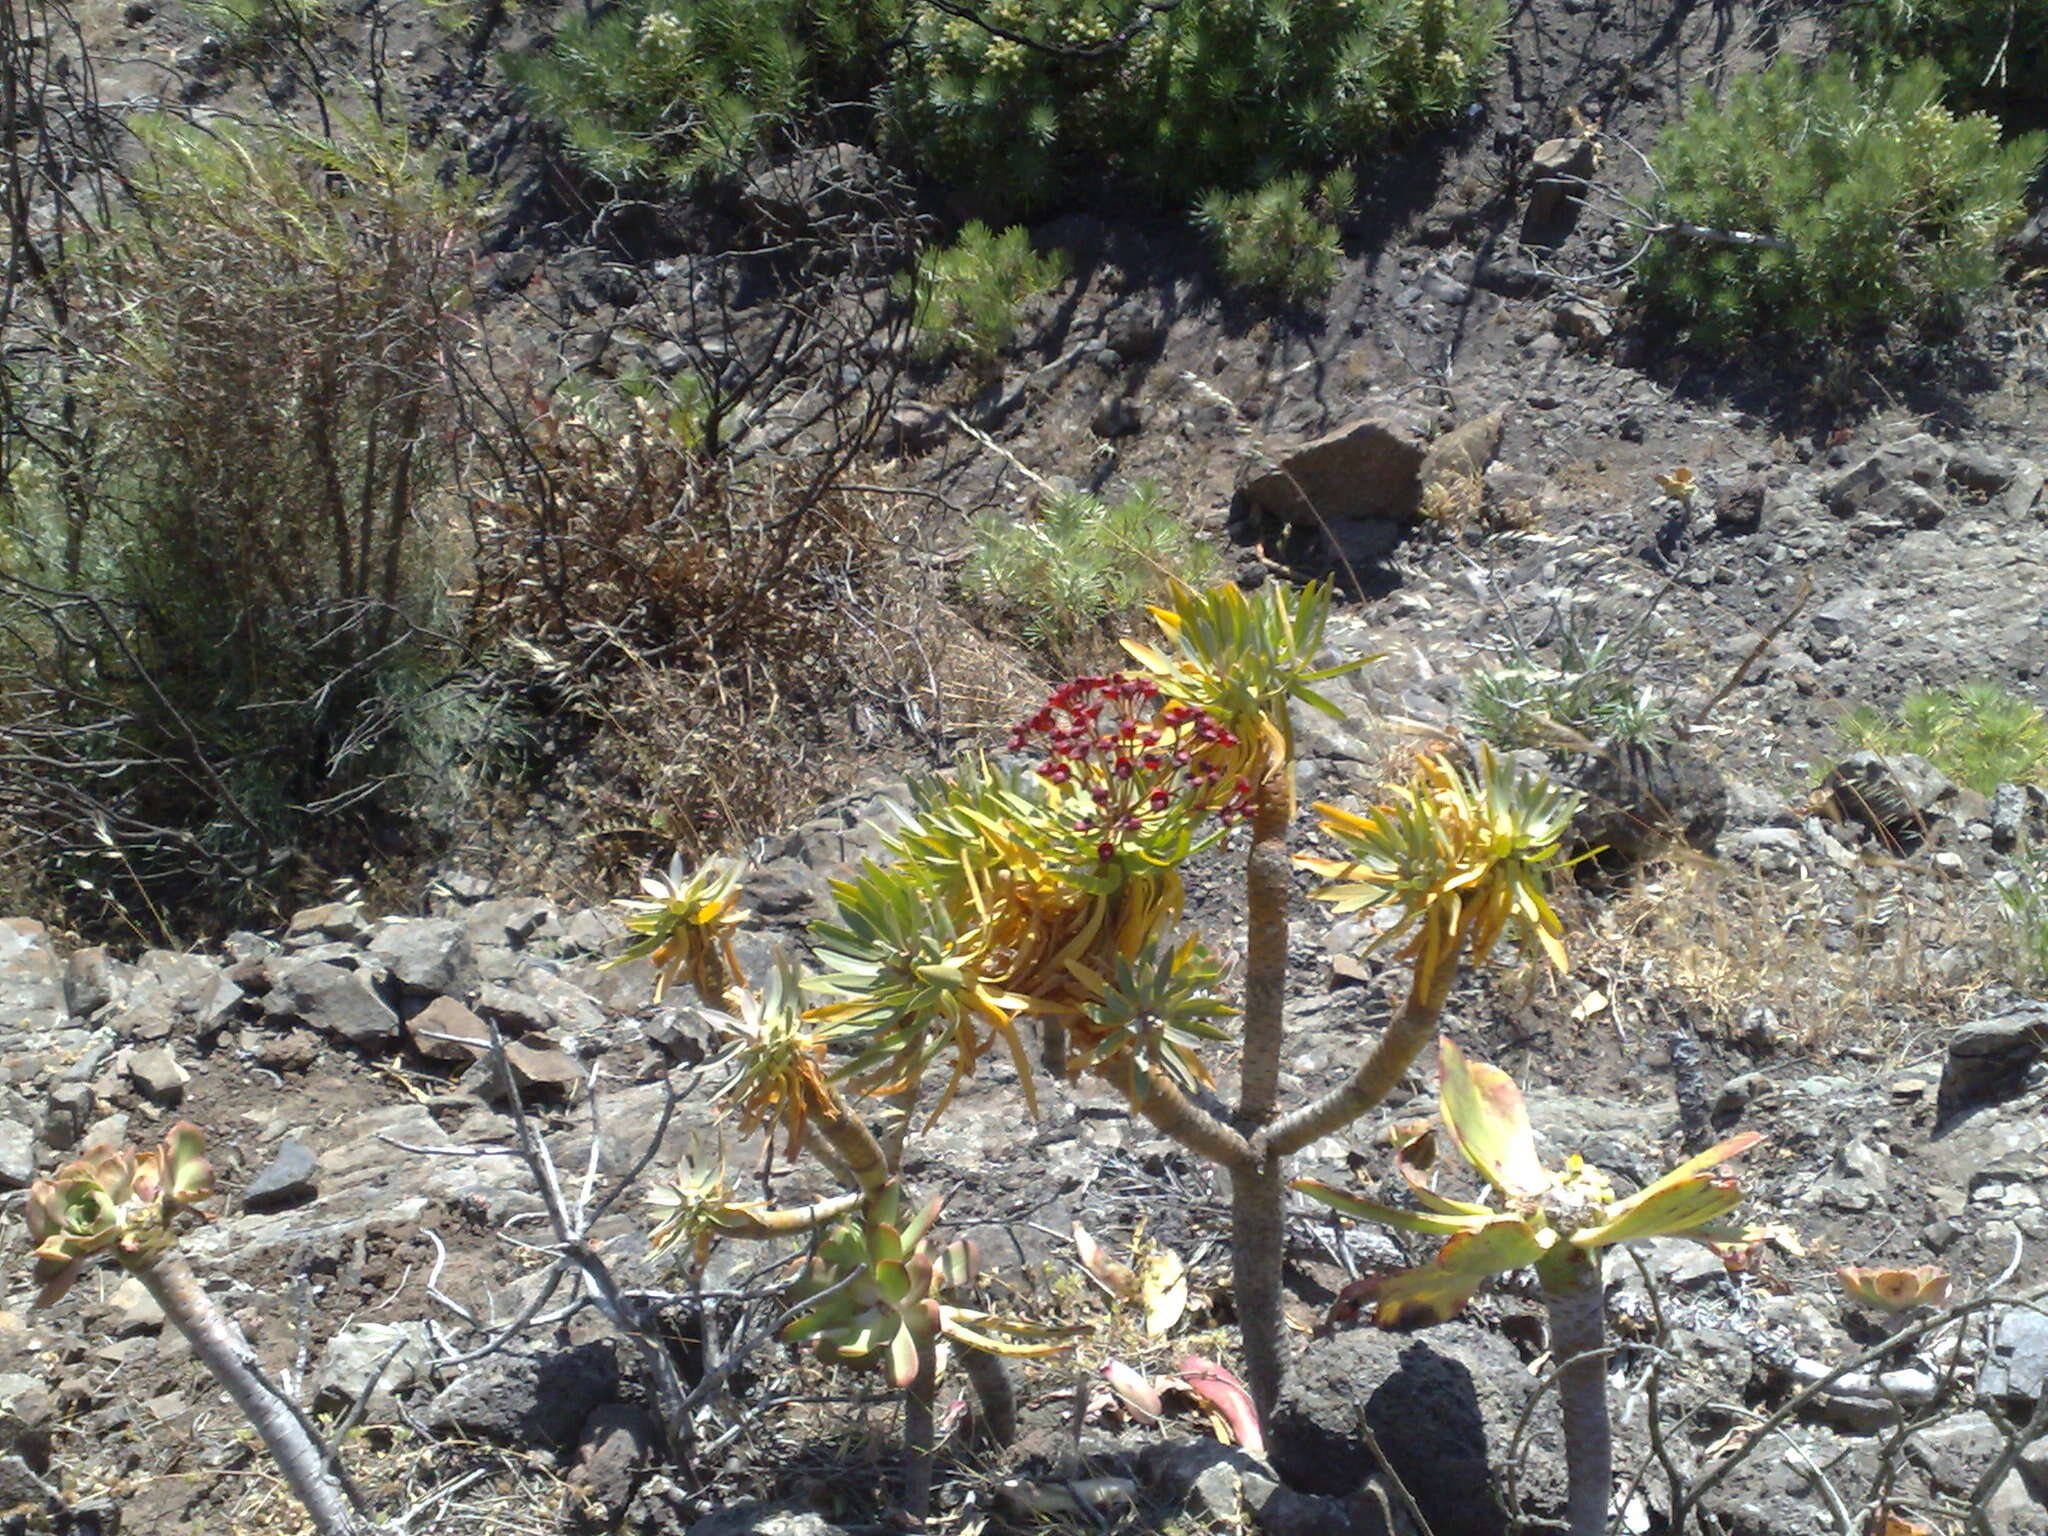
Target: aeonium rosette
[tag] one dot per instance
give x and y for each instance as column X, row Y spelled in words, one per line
column 114, row 1204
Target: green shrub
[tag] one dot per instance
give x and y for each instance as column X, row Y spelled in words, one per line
column 1081, row 566
column 1994, row 52
column 2024, row 890
column 1211, row 93
column 1590, row 693
column 965, row 295
column 220, row 669
column 1279, row 241
column 1888, row 208
column 664, row 90
column 1980, row 734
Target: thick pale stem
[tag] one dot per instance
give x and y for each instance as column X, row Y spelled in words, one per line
column 222, row 1349
column 1577, row 1337
column 1258, row 1240
column 1268, row 892
column 1171, row 1111
column 919, row 1440
column 848, row 1135
column 789, row 1221
column 994, row 1390
column 1406, row 1034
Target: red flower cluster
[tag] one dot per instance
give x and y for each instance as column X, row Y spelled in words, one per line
column 1142, row 757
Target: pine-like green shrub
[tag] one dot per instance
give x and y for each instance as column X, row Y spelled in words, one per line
column 1280, row 240
column 1081, row 566
column 1881, row 205
column 1212, row 93
column 663, row 90
column 1980, row 734
column 1994, row 52
column 966, row 294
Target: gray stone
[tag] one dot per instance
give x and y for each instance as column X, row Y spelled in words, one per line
column 31, row 985
column 326, row 997
column 66, row 1115
column 1981, row 470
column 158, row 1077
column 339, row 921
column 1989, row 1059
column 17, row 1155
column 287, row 1179
column 1558, row 170
column 427, row 956
column 352, row 1360
column 444, row 1030
column 525, row 1399
column 2018, row 1363
column 1360, row 485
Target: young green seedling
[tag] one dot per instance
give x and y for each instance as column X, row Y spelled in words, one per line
column 1558, row 1222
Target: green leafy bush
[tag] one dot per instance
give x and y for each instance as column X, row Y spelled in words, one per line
column 663, row 90
column 221, row 664
column 1212, row 93
column 1081, row 565
column 1994, row 52
column 965, row 295
column 1590, row 693
column 1979, row 734
column 1279, row 241
column 1880, row 205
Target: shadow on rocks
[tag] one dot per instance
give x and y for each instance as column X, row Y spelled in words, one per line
column 1442, row 1406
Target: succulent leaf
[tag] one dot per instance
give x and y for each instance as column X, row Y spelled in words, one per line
column 1489, row 1121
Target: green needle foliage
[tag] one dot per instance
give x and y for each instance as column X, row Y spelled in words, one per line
column 669, row 90
column 1994, row 52
column 1172, row 102
column 1979, row 734
column 1888, row 207
column 1279, row 241
column 966, row 294
column 1212, row 93
column 1082, row 566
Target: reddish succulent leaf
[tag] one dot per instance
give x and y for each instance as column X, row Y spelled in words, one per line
column 1228, row 1396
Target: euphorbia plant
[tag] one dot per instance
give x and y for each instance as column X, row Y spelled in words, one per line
column 1558, row 1222
column 123, row 1207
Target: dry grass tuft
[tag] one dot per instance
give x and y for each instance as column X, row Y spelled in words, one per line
column 1875, row 971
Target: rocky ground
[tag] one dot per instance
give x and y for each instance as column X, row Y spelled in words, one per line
column 1842, row 978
